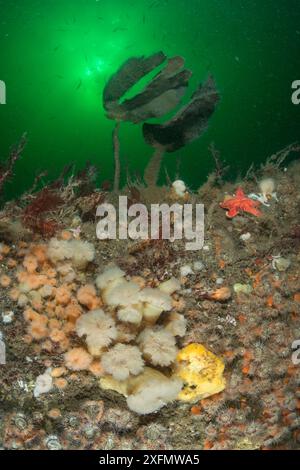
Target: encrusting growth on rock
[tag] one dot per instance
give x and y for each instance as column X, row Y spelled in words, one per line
column 115, row 326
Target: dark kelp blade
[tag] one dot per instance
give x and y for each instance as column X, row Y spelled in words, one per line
column 188, row 124
column 128, row 75
column 161, row 95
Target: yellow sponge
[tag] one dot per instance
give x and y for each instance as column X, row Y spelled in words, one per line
column 201, row 372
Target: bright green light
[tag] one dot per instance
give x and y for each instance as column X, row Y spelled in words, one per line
column 88, row 72
column 100, row 65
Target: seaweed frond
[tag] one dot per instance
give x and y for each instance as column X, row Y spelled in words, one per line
column 34, row 214
column 15, row 154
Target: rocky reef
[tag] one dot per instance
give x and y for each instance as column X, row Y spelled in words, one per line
column 65, row 384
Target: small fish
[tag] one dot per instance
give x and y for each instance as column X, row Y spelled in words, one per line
column 78, row 85
column 68, row 22
column 154, row 4
column 119, row 28
column 209, row 65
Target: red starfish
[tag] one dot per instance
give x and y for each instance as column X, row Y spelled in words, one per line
column 240, row 202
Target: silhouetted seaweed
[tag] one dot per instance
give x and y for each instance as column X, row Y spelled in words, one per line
column 220, row 168
column 6, row 170
column 162, row 95
column 34, row 214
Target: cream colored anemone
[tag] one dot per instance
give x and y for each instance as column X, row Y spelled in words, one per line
column 155, row 302
column 109, row 275
column 130, row 315
column 170, row 286
column 158, row 346
column 99, row 329
column 125, row 293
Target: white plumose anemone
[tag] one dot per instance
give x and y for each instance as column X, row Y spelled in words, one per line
column 179, row 188
column 99, row 329
column 122, row 360
column 158, row 346
column 155, row 302
column 151, row 391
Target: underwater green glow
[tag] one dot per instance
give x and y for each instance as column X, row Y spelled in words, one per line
column 56, row 57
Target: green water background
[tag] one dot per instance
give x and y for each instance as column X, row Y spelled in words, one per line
column 56, row 57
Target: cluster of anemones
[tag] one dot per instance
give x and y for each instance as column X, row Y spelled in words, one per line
column 128, row 329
